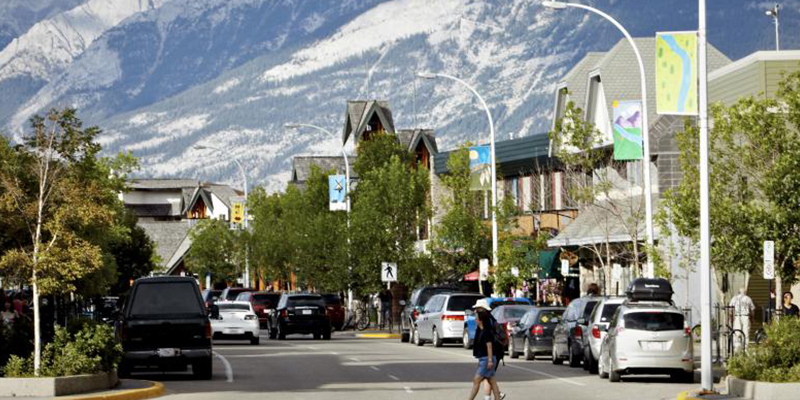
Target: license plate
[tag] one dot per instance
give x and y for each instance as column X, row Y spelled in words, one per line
column 306, row 312
column 233, row 331
column 654, row 346
column 167, row 352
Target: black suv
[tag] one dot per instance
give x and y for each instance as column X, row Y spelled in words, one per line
column 414, row 307
column 164, row 325
column 300, row 313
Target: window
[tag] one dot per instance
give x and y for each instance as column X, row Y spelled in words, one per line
column 548, row 192
column 568, row 187
column 594, row 89
column 305, row 301
column 154, row 299
column 461, row 303
column 654, row 321
column 550, row 316
column 233, row 307
column 536, row 193
column 587, row 311
column 608, row 312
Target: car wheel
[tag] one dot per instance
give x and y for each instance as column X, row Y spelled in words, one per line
column 512, row 352
column 281, row 333
column 556, row 359
column 526, row 350
column 412, row 333
column 613, row 376
column 123, row 369
column 585, row 359
column 318, row 335
column 404, row 337
column 593, row 364
column 255, row 341
column 203, row 369
column 437, row 341
column 574, row 362
column 465, row 342
column 417, row 340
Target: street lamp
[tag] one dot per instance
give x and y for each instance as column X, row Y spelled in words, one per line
column 346, row 193
column 648, row 201
column 429, row 75
column 246, row 217
column 774, row 12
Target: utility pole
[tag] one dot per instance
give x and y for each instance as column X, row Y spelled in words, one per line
column 774, row 13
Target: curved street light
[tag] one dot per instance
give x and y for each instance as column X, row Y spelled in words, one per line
column 430, row 75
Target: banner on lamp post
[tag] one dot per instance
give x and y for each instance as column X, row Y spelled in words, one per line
column 480, row 168
column 676, row 73
column 337, row 192
column 627, row 126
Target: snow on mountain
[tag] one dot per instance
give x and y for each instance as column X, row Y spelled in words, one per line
column 17, row 16
column 231, row 73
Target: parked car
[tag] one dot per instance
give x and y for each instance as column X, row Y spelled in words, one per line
column 264, row 304
column 210, row 296
column 647, row 335
column 533, row 333
column 164, row 325
column 594, row 335
column 568, row 334
column 442, row 319
column 335, row 310
column 231, row 293
column 508, row 316
column 300, row 314
column 235, row 320
column 415, row 305
column 470, row 325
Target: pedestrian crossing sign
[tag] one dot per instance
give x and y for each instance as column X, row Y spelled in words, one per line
column 388, row 272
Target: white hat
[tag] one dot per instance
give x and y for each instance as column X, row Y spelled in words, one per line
column 482, row 303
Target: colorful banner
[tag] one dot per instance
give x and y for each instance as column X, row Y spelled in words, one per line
column 237, row 215
column 337, row 192
column 627, row 124
column 480, row 168
column 676, row 73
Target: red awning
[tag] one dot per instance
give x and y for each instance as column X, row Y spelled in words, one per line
column 472, row 276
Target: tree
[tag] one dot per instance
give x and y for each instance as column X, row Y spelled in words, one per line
column 754, row 168
column 215, row 250
column 50, row 191
column 595, row 185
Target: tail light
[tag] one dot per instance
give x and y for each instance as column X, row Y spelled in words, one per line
column 578, row 332
column 687, row 332
column 250, row 317
column 595, row 332
column 415, row 314
column 537, row 330
column 453, row 318
column 507, row 328
column 284, row 313
column 208, row 330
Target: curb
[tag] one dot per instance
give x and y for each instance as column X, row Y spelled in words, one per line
column 693, row 395
column 156, row 389
column 378, row 335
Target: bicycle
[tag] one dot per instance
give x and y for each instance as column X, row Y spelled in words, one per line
column 363, row 312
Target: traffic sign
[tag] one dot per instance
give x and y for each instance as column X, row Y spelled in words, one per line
column 769, row 259
column 237, row 216
column 484, row 269
column 389, row 272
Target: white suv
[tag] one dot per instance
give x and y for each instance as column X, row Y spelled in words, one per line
column 596, row 332
column 647, row 337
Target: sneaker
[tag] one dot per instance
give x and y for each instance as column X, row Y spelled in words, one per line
column 502, row 395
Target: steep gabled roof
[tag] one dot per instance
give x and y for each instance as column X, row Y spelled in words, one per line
column 166, row 235
column 360, row 112
column 162, row 184
column 301, row 166
column 198, row 193
column 410, row 138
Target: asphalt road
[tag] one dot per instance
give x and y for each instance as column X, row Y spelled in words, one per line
column 350, row 368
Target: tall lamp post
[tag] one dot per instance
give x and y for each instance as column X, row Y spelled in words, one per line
column 246, row 217
column 346, row 193
column 429, row 75
column 648, row 201
column 774, row 12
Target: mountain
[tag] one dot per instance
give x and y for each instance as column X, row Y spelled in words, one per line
column 231, row 73
column 19, row 15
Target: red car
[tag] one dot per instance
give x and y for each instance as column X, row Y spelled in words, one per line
column 335, row 311
column 264, row 303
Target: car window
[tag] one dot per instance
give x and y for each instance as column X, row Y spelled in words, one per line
column 267, row 300
column 524, row 320
column 608, row 312
column 414, row 296
column 332, row 299
column 234, row 307
column 587, row 310
column 426, row 295
column 514, row 312
column 570, row 315
column 498, row 303
column 305, row 301
column 549, row 316
column 461, row 303
column 654, row 321
column 174, row 298
column 433, row 304
column 243, row 297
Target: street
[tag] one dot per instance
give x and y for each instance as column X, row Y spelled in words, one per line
column 347, row 367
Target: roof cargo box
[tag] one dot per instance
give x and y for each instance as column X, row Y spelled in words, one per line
column 646, row 289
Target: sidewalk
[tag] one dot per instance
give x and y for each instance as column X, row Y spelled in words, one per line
column 128, row 389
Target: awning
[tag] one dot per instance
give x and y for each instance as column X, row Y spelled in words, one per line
column 472, row 276
column 603, row 222
column 549, row 264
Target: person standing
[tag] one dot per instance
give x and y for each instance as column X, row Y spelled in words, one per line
column 789, row 308
column 8, row 315
column 386, row 306
column 743, row 309
column 486, row 350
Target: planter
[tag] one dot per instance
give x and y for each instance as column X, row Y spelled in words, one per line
column 762, row 390
column 58, row 386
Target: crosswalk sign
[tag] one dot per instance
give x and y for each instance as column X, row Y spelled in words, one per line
column 237, row 216
column 388, row 272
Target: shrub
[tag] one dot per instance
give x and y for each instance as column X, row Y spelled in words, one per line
column 91, row 350
column 775, row 360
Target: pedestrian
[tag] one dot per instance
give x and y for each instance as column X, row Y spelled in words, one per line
column 743, row 309
column 789, row 309
column 593, row 290
column 386, row 305
column 486, row 350
column 8, row 315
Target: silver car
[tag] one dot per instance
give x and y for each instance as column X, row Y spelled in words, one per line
column 596, row 332
column 647, row 338
column 442, row 319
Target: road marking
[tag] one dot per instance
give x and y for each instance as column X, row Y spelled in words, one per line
column 394, row 377
column 334, row 353
column 228, row 369
column 312, row 348
column 374, row 368
column 355, row 359
column 408, row 389
column 565, row 380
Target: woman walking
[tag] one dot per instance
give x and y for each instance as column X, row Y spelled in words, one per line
column 486, row 350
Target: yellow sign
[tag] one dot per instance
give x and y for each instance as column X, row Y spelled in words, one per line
column 238, row 213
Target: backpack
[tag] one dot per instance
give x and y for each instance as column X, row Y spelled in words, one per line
column 500, row 334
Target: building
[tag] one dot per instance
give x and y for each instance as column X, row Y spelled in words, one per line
column 167, row 209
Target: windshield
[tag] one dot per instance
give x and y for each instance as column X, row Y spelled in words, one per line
column 266, row 299
column 654, row 321
column 300, row 301
column 233, row 307
column 426, row 295
column 233, row 293
column 332, row 299
column 174, row 298
column 461, row 303
column 608, row 312
column 499, row 303
column 513, row 312
column 550, row 316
